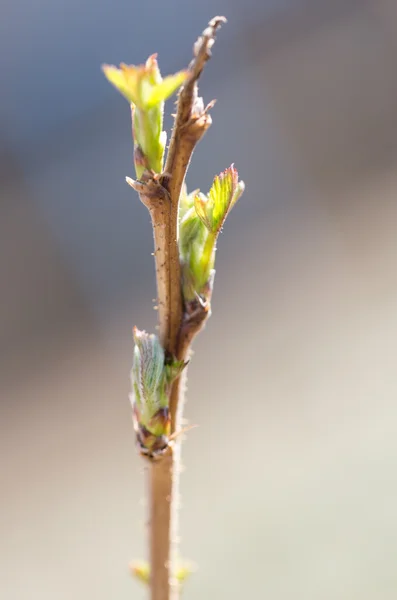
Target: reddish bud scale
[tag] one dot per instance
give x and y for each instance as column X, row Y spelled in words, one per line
column 152, row 440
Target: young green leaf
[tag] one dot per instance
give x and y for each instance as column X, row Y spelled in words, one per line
column 166, row 88
column 199, row 228
column 146, row 90
column 223, row 195
column 143, row 85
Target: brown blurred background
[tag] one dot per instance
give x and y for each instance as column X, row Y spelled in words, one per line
column 290, row 490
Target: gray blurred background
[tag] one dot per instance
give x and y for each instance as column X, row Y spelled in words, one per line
column 290, row 488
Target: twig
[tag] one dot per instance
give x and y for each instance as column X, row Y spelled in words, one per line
column 161, row 500
column 191, row 122
column 156, row 198
column 177, row 323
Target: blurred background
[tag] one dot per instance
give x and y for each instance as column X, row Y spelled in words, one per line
column 290, row 488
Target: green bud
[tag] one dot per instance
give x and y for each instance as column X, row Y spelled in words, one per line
column 141, row 570
column 146, row 90
column 200, row 223
column 148, row 367
column 151, row 377
column 149, row 140
column 173, row 369
column 191, row 231
column 186, row 201
column 183, row 572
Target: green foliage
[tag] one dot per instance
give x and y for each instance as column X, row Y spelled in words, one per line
column 146, row 91
column 223, row 195
column 201, row 220
column 148, row 374
column 143, row 85
column 151, row 377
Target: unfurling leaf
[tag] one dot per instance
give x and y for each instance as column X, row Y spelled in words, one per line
column 146, row 90
column 143, row 85
column 201, row 219
column 148, row 368
column 166, row 88
column 223, row 195
column 151, row 377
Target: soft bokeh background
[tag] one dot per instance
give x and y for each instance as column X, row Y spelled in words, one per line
column 290, row 489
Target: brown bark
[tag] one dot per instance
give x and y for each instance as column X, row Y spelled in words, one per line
column 177, row 329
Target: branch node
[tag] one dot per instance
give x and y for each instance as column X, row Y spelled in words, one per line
column 151, row 192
